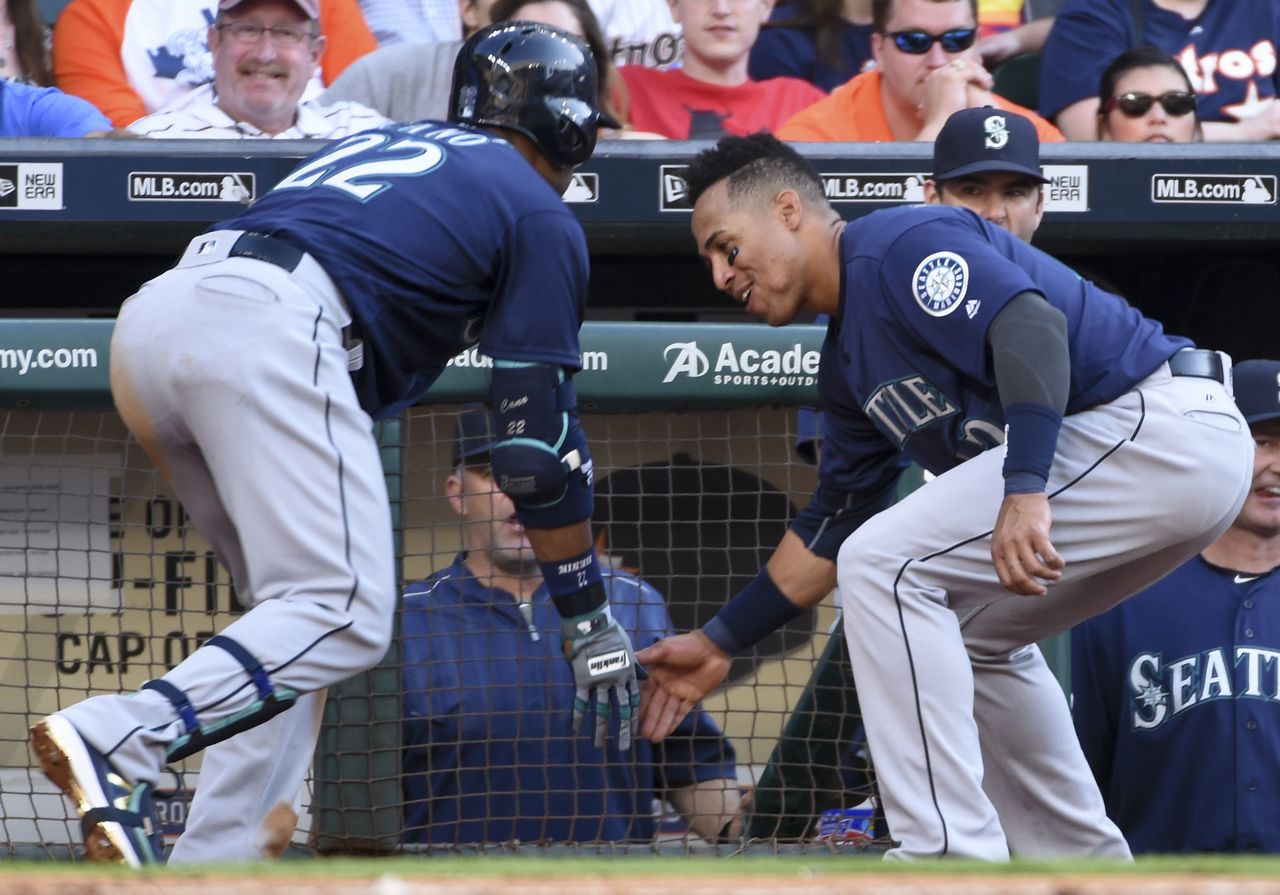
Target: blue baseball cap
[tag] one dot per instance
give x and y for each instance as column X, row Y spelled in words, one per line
column 1257, row 388
column 986, row 139
column 472, row 436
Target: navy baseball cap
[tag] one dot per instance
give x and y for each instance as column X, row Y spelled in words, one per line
column 986, row 139
column 1257, row 388
column 472, row 437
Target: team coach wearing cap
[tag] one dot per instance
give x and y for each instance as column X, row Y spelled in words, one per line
column 988, row 161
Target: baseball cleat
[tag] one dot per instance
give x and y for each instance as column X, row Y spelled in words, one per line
column 117, row 819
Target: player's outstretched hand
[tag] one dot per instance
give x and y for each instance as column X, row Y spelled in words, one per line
column 603, row 663
column 1020, row 546
column 682, row 670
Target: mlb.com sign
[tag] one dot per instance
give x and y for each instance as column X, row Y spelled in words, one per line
column 735, row 365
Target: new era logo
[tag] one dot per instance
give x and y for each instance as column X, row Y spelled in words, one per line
column 9, row 186
column 673, row 189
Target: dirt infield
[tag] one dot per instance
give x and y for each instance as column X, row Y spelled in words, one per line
column 801, row 882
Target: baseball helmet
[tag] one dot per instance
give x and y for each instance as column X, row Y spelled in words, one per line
column 534, row 79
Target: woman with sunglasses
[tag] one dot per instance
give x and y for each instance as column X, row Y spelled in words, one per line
column 1145, row 96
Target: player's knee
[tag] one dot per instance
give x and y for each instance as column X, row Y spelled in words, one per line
column 367, row 644
column 866, row 562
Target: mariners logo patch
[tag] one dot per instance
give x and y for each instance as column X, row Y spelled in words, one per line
column 940, row 283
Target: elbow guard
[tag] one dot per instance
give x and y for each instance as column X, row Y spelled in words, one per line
column 539, row 456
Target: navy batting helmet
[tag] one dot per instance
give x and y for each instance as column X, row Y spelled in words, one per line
column 534, row 79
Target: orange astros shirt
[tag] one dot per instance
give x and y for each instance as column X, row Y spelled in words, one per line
column 853, row 113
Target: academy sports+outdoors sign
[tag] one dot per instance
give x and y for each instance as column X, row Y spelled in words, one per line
column 63, row 364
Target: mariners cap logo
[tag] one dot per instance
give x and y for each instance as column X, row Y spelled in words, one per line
column 940, row 283
column 997, row 131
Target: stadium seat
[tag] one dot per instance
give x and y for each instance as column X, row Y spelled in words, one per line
column 1018, row 80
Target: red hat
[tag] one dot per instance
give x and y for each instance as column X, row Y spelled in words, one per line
column 310, row 7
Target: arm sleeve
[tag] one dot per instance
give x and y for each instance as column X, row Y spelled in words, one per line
column 1086, row 36
column 347, row 37
column 1032, row 369
column 86, row 59
column 1029, row 354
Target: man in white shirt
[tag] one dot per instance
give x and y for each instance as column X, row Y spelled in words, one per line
column 264, row 53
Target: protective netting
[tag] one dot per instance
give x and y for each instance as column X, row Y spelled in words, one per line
column 461, row 738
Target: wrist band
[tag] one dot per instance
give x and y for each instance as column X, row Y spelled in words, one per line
column 757, row 611
column 1030, row 445
column 575, row 584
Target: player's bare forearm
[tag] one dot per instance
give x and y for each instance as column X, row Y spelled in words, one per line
column 1021, row 550
column 801, row 575
column 552, row 544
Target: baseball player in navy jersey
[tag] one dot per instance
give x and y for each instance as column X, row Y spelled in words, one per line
column 1175, row 690
column 250, row 374
column 1124, row 456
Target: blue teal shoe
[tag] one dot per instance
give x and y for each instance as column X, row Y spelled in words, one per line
column 117, row 819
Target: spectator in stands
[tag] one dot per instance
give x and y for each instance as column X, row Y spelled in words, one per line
column 639, row 32
column 927, row 69
column 1226, row 47
column 30, row 111
column 411, row 82
column 711, row 94
column 824, row 42
column 264, row 53
column 133, row 57
column 412, row 21
column 24, row 55
column 489, row 751
column 1145, row 96
column 1174, row 690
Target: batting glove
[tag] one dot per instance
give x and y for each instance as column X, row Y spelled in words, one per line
column 600, row 652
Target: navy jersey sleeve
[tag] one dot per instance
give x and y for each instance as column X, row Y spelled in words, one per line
column 944, row 282
column 541, row 294
column 1086, row 36
column 1095, row 692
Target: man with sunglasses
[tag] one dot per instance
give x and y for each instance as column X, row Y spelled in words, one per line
column 264, row 54
column 927, row 68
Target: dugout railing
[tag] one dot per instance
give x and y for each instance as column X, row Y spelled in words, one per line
column 103, row 585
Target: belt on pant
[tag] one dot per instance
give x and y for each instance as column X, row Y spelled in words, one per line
column 287, row 257
column 1199, row 362
column 268, row 249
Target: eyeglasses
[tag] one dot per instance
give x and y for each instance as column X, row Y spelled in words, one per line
column 1134, row 105
column 249, row 33
column 917, row 43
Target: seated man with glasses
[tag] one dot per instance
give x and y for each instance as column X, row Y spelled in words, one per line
column 264, row 53
column 927, row 68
